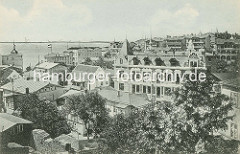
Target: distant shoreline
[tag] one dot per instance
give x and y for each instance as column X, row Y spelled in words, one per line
column 59, row 42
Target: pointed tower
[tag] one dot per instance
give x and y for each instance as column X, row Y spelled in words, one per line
column 14, row 51
column 126, row 50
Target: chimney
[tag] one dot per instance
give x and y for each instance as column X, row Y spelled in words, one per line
column 27, row 90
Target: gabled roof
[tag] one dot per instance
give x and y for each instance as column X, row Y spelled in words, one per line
column 124, row 99
column 20, row 85
column 8, row 120
column 46, row 65
column 85, row 68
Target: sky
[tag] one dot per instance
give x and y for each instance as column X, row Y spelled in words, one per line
column 106, row 20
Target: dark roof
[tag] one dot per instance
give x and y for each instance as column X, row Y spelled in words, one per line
column 5, row 73
column 225, row 76
column 86, row 68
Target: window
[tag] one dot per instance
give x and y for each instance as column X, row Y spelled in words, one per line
column 133, row 88
column 234, row 98
column 133, row 75
column 121, row 86
column 149, row 89
column 158, row 92
column 144, row 89
column 233, row 131
column 137, row 88
column 121, row 61
column 19, row 128
column 120, row 73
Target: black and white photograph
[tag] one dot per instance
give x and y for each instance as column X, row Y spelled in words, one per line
column 119, row 76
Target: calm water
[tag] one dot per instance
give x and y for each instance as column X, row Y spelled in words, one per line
column 31, row 51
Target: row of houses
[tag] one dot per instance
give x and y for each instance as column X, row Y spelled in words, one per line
column 224, row 49
column 130, row 62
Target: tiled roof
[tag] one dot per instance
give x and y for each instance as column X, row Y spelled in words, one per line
column 124, row 99
column 85, row 68
column 46, row 65
column 20, row 86
column 8, row 120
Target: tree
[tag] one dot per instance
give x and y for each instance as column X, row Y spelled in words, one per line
column 107, row 54
column 28, row 69
column 43, row 114
column 100, row 62
column 90, row 107
column 206, row 110
column 120, row 134
column 88, row 61
column 160, row 128
column 186, row 124
column 218, row 65
column 104, row 64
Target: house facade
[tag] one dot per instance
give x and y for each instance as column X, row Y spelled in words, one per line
column 79, row 54
column 51, row 72
column 230, row 87
column 14, row 130
column 165, row 70
column 87, row 77
column 43, row 90
column 227, row 49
